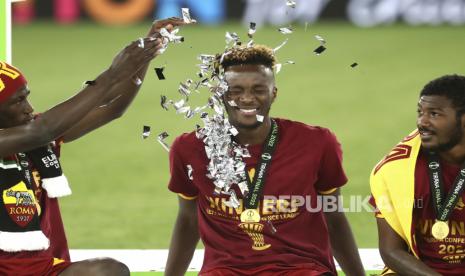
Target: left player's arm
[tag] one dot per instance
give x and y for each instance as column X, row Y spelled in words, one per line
column 342, row 241
column 114, row 105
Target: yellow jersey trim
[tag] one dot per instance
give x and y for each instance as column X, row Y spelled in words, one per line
column 57, row 261
column 327, row 192
column 187, row 197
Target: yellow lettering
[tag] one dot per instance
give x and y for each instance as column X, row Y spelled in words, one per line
column 268, row 206
column 457, row 227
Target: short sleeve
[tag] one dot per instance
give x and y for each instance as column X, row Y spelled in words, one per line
column 331, row 174
column 179, row 180
column 376, row 211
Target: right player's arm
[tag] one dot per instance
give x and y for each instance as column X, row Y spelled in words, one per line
column 394, row 252
column 54, row 122
column 184, row 238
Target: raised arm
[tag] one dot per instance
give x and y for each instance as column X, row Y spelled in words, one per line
column 54, row 122
column 394, row 252
column 121, row 95
column 342, row 241
column 184, row 238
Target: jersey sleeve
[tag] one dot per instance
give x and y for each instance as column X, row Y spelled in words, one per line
column 179, row 180
column 376, row 211
column 331, row 174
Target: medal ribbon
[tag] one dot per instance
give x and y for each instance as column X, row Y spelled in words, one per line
column 256, row 186
column 444, row 209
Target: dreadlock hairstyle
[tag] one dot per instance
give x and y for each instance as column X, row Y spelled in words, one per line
column 449, row 86
column 256, row 54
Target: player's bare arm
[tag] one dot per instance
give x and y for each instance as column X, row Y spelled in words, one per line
column 54, row 122
column 342, row 241
column 394, row 253
column 184, row 238
column 121, row 95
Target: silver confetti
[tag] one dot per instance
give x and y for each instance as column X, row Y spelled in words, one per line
column 189, row 172
column 161, row 137
column 260, row 118
column 231, row 37
column 277, row 67
column 252, row 29
column 141, row 43
column 171, row 36
column 290, row 3
column 250, row 43
column 137, row 81
column 186, row 16
column 232, row 202
column 321, row 39
column 146, row 132
column 232, row 103
column 233, row 131
column 285, row 30
column 164, row 102
column 280, row 46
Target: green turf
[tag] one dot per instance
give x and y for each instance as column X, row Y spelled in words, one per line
column 3, row 28
column 119, row 181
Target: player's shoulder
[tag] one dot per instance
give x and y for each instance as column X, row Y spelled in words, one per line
column 304, row 130
column 187, row 141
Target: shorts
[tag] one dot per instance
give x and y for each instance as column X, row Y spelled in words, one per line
column 33, row 266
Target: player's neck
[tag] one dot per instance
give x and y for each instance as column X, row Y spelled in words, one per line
column 455, row 156
column 254, row 136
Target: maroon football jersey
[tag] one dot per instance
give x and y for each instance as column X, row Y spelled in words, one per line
column 289, row 236
column 447, row 256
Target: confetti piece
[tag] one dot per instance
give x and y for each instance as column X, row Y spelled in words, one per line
column 280, row 46
column 164, row 102
column 321, row 39
column 145, row 132
column 319, row 50
column 141, row 43
column 161, row 137
column 232, row 37
column 252, row 29
column 186, row 16
column 290, row 3
column 260, row 118
column 233, row 131
column 353, row 65
column 285, row 30
column 189, row 171
column 159, row 72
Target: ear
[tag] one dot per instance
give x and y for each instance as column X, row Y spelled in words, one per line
column 274, row 93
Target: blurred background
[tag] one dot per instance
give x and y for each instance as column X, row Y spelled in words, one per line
column 119, row 179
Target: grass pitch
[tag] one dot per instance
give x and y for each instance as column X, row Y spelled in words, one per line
column 120, row 199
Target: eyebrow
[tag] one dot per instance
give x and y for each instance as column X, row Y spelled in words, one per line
column 430, row 107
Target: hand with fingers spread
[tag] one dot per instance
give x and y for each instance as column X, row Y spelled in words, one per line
column 169, row 24
column 137, row 54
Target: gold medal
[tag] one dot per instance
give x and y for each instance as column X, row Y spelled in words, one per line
column 250, row 215
column 440, row 230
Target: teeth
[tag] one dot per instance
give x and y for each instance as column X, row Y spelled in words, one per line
column 248, row 110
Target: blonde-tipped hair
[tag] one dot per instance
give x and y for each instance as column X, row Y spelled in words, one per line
column 257, row 54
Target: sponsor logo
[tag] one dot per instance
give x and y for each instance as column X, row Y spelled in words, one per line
column 433, row 165
column 266, row 156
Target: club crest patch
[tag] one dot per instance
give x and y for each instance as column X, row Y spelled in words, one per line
column 20, row 204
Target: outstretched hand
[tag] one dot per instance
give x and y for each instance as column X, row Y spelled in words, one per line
column 169, row 24
column 137, row 54
column 134, row 56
